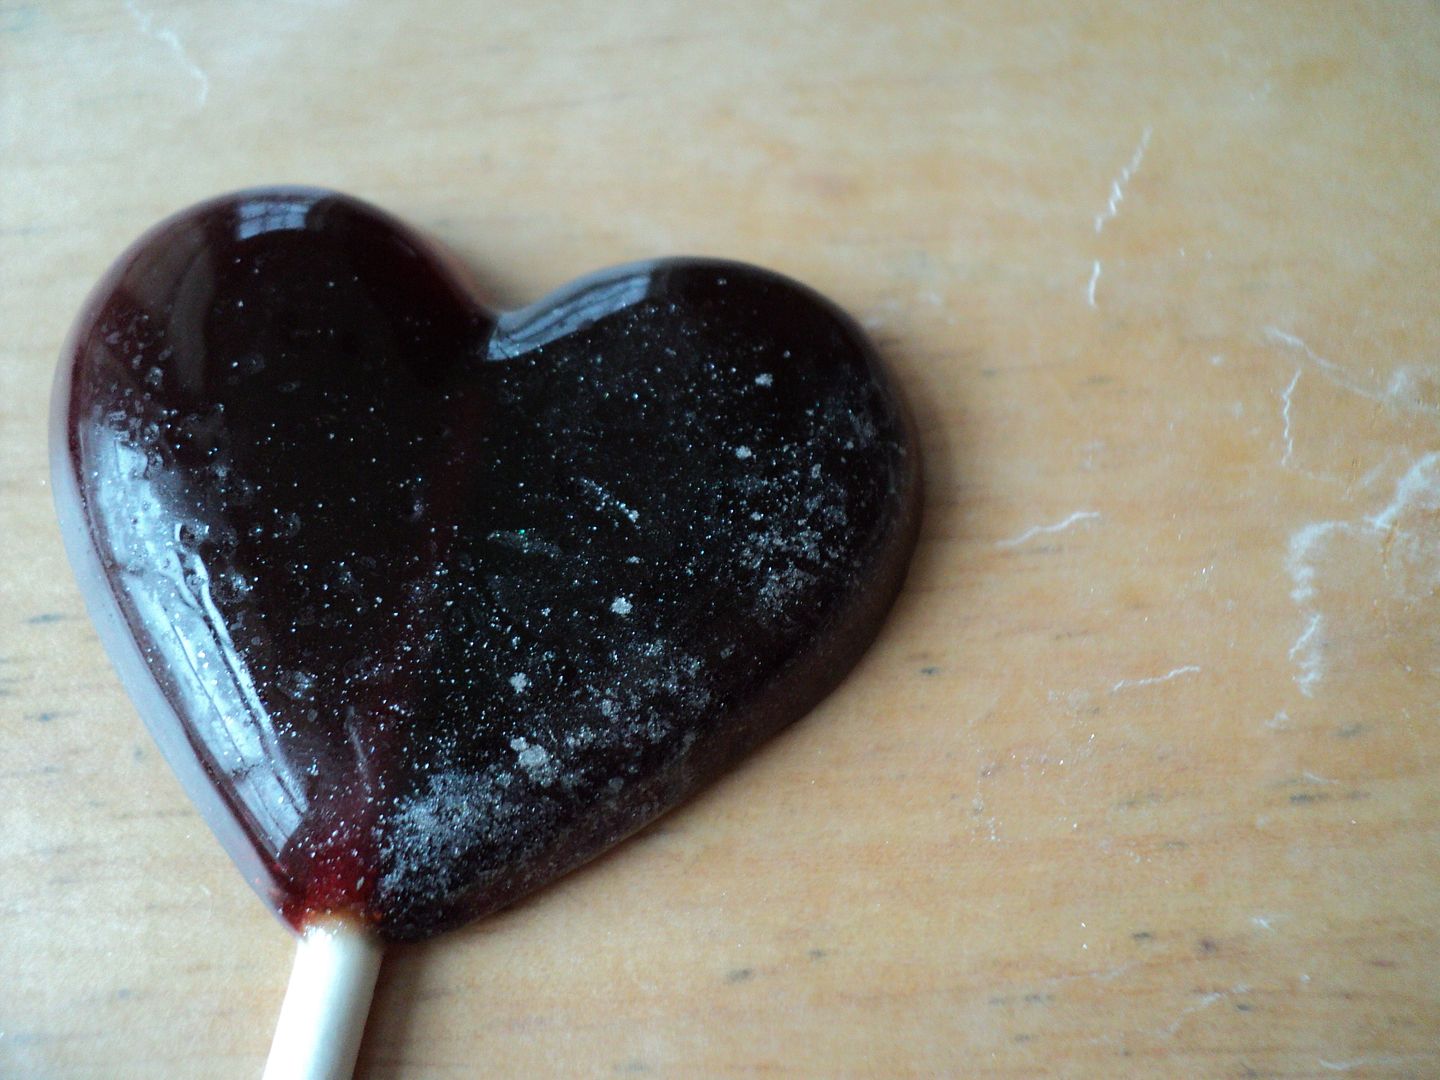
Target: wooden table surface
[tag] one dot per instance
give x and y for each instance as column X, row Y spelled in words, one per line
column 1141, row 777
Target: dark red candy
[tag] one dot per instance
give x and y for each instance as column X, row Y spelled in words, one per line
column 428, row 605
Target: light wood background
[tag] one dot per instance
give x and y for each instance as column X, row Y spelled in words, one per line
column 1141, row 778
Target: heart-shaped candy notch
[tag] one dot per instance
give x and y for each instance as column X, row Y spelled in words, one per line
column 427, row 605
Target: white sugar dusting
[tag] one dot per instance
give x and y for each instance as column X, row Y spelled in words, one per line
column 430, row 832
column 535, row 760
column 610, row 502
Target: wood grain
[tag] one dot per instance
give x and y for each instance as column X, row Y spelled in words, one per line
column 1141, row 778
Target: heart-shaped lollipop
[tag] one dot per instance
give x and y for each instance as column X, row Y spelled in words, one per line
column 428, row 605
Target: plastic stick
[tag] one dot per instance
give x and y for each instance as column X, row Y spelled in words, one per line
column 323, row 1016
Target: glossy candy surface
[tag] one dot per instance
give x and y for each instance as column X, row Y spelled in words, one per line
column 427, row 605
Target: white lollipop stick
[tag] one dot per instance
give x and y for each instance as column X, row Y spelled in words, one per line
column 323, row 1016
